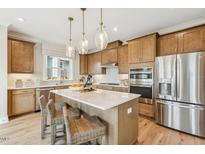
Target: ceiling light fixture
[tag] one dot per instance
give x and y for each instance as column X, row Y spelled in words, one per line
column 20, row 19
column 70, row 50
column 115, row 29
column 101, row 38
column 83, row 46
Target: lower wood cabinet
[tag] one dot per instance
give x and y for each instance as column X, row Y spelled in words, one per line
column 21, row 101
column 146, row 110
column 104, row 87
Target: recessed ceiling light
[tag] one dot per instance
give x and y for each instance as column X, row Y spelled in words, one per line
column 115, row 29
column 20, row 19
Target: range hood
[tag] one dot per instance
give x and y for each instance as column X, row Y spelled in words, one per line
column 108, row 65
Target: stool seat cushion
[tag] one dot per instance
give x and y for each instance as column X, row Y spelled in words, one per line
column 84, row 130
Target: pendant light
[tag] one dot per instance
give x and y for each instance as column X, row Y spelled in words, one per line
column 83, row 45
column 101, row 38
column 70, row 51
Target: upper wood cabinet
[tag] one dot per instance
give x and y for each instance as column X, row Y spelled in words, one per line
column 190, row 40
column 109, row 56
column 148, row 51
column 123, row 59
column 83, row 64
column 20, row 57
column 167, row 44
column 94, row 62
column 134, row 51
column 142, row 49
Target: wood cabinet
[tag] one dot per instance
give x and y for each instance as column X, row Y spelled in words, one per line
column 94, row 62
column 83, row 64
column 142, row 49
column 105, row 87
column 148, row 51
column 21, row 101
column 20, row 56
column 109, row 56
column 122, row 57
column 146, row 110
column 168, row 44
column 190, row 40
column 134, row 51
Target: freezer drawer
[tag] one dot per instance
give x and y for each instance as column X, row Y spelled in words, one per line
column 181, row 116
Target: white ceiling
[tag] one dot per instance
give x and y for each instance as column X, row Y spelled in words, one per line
column 51, row 25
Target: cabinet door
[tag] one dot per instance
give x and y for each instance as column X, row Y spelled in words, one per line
column 83, row 64
column 134, row 51
column 22, row 58
column 146, row 110
column 148, row 51
column 23, row 101
column 192, row 40
column 109, row 56
column 97, row 60
column 168, row 44
column 123, row 59
column 94, row 62
column 9, row 56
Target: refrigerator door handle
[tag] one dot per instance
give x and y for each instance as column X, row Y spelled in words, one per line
column 178, row 77
column 181, row 106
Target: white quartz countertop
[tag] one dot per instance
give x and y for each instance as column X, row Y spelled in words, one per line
column 101, row 99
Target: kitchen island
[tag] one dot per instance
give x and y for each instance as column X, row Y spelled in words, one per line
column 117, row 109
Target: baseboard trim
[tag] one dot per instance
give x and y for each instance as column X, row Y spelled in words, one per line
column 4, row 120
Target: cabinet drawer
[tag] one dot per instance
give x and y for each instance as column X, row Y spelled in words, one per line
column 120, row 89
column 146, row 110
column 15, row 92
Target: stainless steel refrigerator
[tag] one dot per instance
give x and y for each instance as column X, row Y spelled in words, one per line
column 180, row 92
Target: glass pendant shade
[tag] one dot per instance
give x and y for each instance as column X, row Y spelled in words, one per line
column 101, row 39
column 83, row 46
column 70, row 50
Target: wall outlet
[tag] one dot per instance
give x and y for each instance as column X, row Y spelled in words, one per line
column 129, row 110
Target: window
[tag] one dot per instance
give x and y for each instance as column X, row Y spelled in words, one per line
column 58, row 68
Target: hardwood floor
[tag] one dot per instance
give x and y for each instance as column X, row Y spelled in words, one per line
column 26, row 130
column 151, row 133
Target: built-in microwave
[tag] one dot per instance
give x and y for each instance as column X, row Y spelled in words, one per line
column 141, row 82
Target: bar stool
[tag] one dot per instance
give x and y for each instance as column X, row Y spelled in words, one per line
column 57, row 117
column 83, row 130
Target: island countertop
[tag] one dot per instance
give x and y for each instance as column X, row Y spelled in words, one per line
column 98, row 98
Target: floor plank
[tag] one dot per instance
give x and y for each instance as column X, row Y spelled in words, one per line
column 26, row 130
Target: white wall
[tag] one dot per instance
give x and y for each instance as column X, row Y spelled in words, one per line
column 3, row 75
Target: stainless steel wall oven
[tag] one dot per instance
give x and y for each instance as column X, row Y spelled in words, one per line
column 141, row 82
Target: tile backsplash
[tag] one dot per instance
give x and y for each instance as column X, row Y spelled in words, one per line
column 112, row 76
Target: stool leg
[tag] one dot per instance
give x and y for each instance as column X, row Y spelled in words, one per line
column 53, row 133
column 42, row 127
